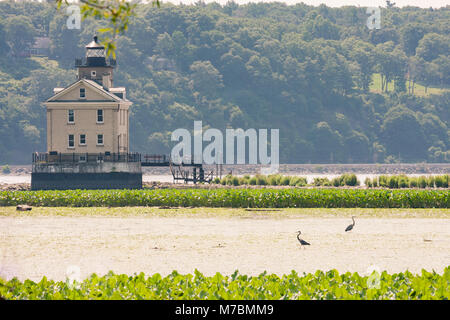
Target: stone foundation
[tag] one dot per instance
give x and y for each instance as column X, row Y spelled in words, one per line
column 63, row 181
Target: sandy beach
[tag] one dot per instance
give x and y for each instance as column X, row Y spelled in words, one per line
column 34, row 246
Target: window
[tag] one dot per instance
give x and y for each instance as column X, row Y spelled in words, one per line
column 99, row 116
column 82, row 159
column 82, row 93
column 82, row 139
column 100, row 139
column 71, row 117
column 93, row 73
column 71, row 141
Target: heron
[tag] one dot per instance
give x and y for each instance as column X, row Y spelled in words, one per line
column 350, row 227
column 302, row 242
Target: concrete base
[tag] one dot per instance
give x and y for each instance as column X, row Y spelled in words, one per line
column 63, row 181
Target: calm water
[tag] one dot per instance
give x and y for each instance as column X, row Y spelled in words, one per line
column 11, row 179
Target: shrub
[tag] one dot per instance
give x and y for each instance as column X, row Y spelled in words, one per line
column 430, row 182
column 439, row 181
column 6, row 169
column 350, row 180
column 383, row 181
column 375, row 182
column 293, row 181
column 422, row 182
column 368, row 182
column 403, row 181
column 446, row 179
column 413, row 182
column 285, row 181
column 261, row 180
column 321, row 182
column 301, row 182
column 336, row 182
column 272, row 180
column 392, row 182
column 253, row 181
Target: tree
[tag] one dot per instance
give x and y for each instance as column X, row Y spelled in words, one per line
column 19, row 34
column 206, row 79
column 391, row 64
column 415, row 71
column 363, row 53
column 320, row 27
column 357, row 145
column 403, row 134
column 432, row 45
column 64, row 45
column 410, row 35
column 3, row 44
column 165, row 46
column 430, row 75
column 327, row 143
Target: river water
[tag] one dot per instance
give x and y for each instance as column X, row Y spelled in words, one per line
column 17, row 179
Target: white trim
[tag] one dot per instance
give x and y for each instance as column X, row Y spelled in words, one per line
column 68, row 141
column 79, row 143
column 103, row 139
column 103, row 116
column 68, row 116
column 90, row 83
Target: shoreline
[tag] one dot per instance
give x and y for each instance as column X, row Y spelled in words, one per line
column 295, row 169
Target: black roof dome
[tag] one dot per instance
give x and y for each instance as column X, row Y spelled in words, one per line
column 94, row 44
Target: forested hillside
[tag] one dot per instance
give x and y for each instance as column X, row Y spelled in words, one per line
column 338, row 92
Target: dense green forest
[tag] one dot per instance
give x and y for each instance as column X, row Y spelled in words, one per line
column 338, row 92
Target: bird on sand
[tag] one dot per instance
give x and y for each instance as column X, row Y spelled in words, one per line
column 350, row 227
column 302, row 242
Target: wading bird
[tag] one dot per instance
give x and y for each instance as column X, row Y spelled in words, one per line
column 350, row 227
column 302, row 242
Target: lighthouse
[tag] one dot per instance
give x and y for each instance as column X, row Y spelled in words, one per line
column 88, row 131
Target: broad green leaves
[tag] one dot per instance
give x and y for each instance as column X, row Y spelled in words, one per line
column 320, row 285
column 233, row 198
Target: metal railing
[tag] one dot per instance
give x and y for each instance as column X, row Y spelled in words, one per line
column 53, row 157
column 155, row 158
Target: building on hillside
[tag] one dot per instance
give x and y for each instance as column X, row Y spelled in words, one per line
column 41, row 47
column 88, row 131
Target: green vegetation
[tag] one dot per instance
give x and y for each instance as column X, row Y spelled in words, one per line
column 319, row 285
column 261, row 180
column 6, row 169
column 305, row 70
column 234, row 198
column 403, row 181
column 418, row 90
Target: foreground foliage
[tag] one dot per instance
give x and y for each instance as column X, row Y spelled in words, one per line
column 234, row 198
column 320, row 285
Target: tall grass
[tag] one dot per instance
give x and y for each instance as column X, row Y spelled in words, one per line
column 403, row 181
column 281, row 180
